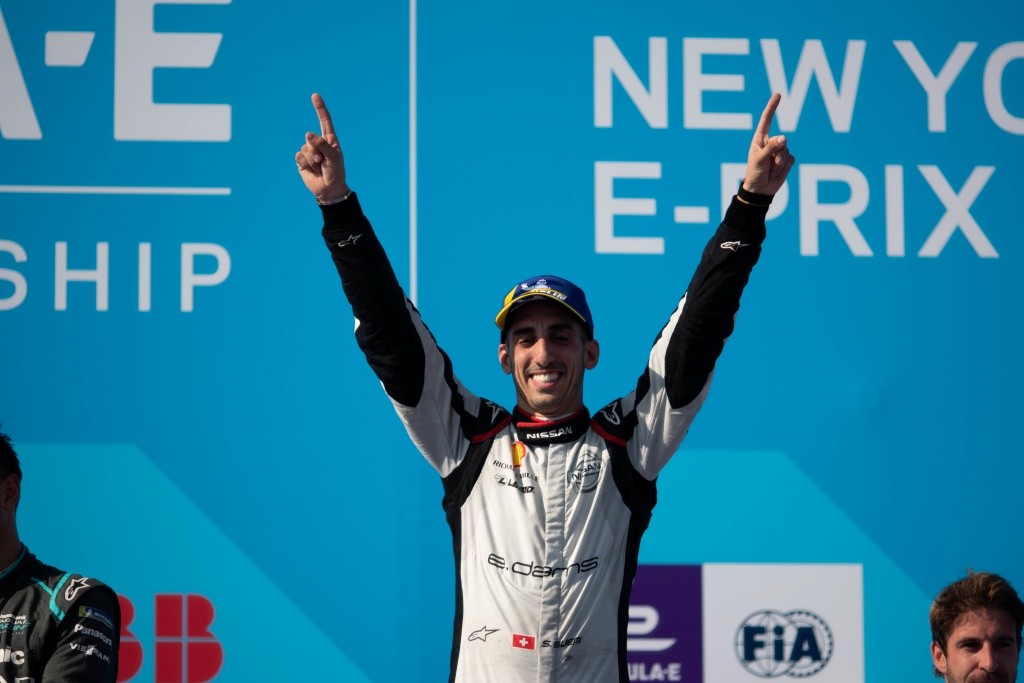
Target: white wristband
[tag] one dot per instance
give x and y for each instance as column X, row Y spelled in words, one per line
column 339, row 200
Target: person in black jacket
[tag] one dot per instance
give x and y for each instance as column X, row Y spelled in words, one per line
column 55, row 626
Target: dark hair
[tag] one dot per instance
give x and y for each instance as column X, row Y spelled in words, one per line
column 8, row 458
column 979, row 590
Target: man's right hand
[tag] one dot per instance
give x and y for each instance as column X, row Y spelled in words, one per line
column 320, row 161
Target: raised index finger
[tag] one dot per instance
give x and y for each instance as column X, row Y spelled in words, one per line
column 326, row 125
column 765, row 124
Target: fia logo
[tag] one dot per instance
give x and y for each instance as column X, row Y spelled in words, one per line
column 185, row 651
column 770, row 644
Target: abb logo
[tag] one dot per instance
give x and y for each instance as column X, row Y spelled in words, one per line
column 185, row 650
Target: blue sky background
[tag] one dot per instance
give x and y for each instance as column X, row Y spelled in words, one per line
column 865, row 405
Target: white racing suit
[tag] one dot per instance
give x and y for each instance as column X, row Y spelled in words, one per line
column 546, row 517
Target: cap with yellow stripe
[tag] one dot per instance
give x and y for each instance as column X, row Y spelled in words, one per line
column 546, row 287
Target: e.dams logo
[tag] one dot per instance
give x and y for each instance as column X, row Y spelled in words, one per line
column 185, row 651
column 770, row 644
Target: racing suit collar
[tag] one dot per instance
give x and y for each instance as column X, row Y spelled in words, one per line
column 535, row 431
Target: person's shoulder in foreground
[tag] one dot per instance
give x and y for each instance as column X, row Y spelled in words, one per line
column 55, row 626
column 976, row 627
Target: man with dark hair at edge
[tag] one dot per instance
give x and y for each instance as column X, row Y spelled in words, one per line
column 547, row 502
column 55, row 627
column 976, row 630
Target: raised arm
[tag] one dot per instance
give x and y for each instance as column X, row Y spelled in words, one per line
column 684, row 355
column 320, row 161
column 437, row 411
column 713, row 295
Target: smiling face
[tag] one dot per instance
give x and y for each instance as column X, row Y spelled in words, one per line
column 982, row 647
column 547, row 352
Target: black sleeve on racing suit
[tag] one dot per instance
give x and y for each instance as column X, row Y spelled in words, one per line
column 385, row 332
column 88, row 636
column 712, row 300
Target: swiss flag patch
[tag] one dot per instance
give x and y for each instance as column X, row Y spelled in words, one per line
column 524, row 642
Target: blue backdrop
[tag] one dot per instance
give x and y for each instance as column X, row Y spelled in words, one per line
column 177, row 365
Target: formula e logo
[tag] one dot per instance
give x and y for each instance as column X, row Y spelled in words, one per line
column 771, row 644
column 643, row 620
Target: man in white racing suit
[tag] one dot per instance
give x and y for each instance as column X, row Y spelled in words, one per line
column 546, row 503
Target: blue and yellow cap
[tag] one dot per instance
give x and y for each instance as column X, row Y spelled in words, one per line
column 547, row 287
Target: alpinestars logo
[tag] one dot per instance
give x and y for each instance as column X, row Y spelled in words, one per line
column 611, row 413
column 349, row 241
column 733, row 246
column 76, row 585
column 482, row 633
column 495, row 410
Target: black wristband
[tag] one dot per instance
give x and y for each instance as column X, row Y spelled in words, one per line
column 753, row 197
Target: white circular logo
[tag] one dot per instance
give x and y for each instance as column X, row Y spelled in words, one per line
column 587, row 473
